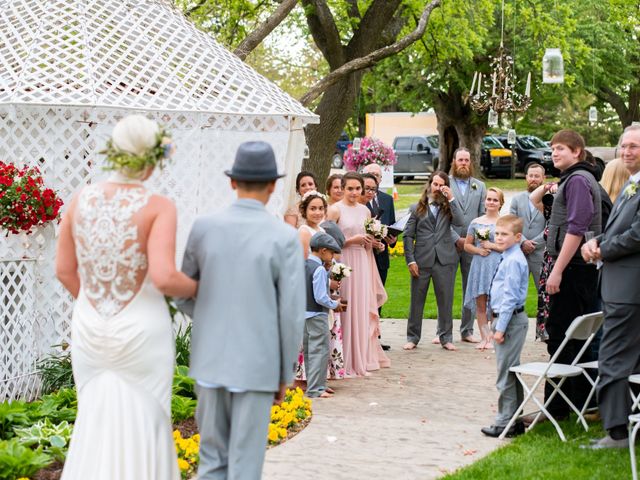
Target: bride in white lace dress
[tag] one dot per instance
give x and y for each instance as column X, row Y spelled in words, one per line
column 116, row 255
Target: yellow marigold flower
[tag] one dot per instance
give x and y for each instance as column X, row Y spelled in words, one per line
column 273, row 436
column 183, row 464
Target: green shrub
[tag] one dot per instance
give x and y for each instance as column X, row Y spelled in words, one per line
column 183, row 344
column 52, row 438
column 55, row 372
column 16, row 460
column 12, row 415
column 183, row 384
column 182, row 408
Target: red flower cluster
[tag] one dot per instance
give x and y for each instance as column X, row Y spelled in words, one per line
column 24, row 202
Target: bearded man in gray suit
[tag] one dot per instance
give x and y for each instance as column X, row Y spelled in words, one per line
column 470, row 193
column 619, row 250
column 247, row 318
column 532, row 240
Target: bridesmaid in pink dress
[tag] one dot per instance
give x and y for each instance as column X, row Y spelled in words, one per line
column 363, row 289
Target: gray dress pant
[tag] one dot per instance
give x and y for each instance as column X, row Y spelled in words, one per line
column 233, row 433
column 619, row 357
column 467, row 314
column 443, row 282
column 535, row 266
column 510, row 394
column 315, row 345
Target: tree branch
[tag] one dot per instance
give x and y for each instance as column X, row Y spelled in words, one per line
column 375, row 19
column 353, row 11
column 370, row 59
column 607, row 95
column 265, row 28
column 325, row 33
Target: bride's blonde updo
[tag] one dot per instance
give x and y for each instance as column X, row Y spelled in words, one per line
column 136, row 145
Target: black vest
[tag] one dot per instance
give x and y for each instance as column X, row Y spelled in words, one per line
column 312, row 306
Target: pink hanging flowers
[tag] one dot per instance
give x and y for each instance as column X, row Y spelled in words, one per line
column 371, row 150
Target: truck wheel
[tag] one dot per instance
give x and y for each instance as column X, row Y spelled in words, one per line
column 397, row 178
column 336, row 161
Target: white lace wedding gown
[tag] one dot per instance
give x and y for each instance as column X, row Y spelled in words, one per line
column 122, row 347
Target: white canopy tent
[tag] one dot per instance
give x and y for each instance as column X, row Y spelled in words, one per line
column 69, row 70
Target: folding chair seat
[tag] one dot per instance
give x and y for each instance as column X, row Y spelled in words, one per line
column 584, row 328
column 634, row 426
column 635, row 399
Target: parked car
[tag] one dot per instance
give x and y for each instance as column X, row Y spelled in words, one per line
column 495, row 160
column 343, row 143
column 414, row 156
column 530, row 148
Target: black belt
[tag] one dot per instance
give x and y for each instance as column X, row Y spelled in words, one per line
column 515, row 312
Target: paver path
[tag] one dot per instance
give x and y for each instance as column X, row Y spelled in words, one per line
column 417, row 420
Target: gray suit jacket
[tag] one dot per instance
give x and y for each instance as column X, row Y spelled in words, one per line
column 620, row 250
column 533, row 223
column 426, row 239
column 472, row 204
column 249, row 312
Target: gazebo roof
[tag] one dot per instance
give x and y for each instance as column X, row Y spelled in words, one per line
column 130, row 54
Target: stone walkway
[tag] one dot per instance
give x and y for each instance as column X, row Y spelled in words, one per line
column 420, row 419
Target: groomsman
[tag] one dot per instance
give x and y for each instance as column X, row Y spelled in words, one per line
column 247, row 318
column 532, row 245
column 619, row 250
column 470, row 193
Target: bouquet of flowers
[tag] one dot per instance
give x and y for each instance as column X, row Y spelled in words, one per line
column 371, row 151
column 24, row 201
column 339, row 271
column 483, row 233
column 374, row 227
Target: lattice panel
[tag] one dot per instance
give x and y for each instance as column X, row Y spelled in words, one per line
column 64, row 142
column 125, row 54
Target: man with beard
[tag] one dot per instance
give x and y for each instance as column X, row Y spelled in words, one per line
column 532, row 245
column 470, row 193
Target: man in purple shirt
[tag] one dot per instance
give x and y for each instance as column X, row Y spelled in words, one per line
column 572, row 282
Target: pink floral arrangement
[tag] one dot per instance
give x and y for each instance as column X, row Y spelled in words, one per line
column 371, row 150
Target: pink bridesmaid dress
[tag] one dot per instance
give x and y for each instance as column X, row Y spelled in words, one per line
column 365, row 293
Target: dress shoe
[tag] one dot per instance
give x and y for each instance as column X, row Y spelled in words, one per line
column 385, row 347
column 495, row 430
column 608, row 442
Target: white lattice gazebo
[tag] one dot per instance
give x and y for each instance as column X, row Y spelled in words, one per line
column 69, row 69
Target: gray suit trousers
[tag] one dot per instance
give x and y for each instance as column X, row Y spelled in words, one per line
column 233, row 433
column 443, row 282
column 534, row 262
column 508, row 355
column 466, row 326
column 315, row 345
column 619, row 357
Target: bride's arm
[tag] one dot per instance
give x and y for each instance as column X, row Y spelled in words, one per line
column 66, row 260
column 161, row 252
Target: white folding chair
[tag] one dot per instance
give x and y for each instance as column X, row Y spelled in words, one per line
column 635, row 399
column 634, row 426
column 584, row 328
column 594, row 383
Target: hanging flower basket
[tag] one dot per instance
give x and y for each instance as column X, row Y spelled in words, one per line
column 24, row 201
column 371, row 150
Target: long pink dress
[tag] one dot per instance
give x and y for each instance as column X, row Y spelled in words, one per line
column 365, row 293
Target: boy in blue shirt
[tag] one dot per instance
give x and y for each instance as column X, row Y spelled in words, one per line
column 508, row 295
column 315, row 339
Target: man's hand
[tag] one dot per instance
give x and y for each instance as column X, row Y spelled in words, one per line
column 553, row 282
column 279, row 395
column 413, row 270
column 590, row 251
column 528, row 246
column 498, row 337
column 390, row 239
column 460, row 244
column 334, row 284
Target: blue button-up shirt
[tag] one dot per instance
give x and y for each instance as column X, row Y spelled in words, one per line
column 509, row 286
column 320, row 288
column 463, row 185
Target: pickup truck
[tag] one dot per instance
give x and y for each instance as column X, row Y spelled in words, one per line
column 342, row 145
column 414, row 156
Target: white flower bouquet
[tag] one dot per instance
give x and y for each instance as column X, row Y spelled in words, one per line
column 375, row 227
column 483, row 234
column 339, row 271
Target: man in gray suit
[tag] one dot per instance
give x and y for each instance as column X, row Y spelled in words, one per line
column 430, row 253
column 470, row 193
column 619, row 249
column 247, row 318
column 532, row 245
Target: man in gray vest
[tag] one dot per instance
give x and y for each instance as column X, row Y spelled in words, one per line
column 533, row 244
column 470, row 193
column 247, row 318
column 572, row 282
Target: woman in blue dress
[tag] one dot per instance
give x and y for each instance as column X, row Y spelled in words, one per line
column 486, row 256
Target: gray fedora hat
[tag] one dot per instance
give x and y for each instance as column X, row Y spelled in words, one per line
column 255, row 162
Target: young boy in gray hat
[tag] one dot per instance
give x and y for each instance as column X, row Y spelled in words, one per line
column 315, row 338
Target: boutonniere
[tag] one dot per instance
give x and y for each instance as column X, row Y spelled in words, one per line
column 474, row 186
column 631, row 190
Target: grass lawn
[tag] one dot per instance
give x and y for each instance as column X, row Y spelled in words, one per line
column 540, row 454
column 399, row 292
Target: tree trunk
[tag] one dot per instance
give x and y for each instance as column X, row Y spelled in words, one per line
column 334, row 109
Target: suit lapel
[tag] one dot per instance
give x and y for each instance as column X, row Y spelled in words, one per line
column 618, row 206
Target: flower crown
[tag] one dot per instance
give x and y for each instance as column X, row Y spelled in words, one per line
column 161, row 151
column 313, row 193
